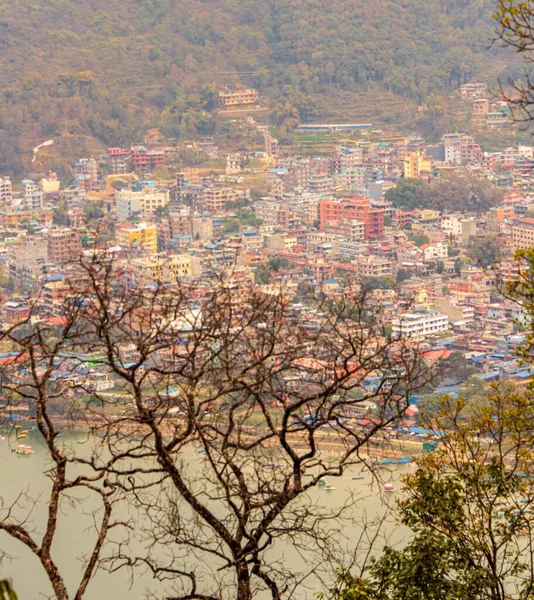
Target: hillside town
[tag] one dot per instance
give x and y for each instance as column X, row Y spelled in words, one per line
column 267, row 300
column 325, row 226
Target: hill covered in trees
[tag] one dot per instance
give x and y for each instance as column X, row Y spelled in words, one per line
column 110, row 69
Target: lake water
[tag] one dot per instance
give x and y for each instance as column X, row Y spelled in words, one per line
column 28, row 474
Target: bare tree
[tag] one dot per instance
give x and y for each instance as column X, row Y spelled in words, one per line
column 229, row 405
column 38, row 376
column 515, row 28
column 231, row 400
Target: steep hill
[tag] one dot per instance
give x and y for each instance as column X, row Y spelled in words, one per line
column 112, row 68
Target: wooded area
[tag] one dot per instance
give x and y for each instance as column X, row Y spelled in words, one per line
column 60, row 61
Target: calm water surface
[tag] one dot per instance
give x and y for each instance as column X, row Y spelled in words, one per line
column 28, row 474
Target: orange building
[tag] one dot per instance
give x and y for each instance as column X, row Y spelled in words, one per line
column 359, row 209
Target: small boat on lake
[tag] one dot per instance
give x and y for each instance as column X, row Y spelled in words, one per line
column 329, row 487
column 23, row 450
column 357, row 477
column 389, row 487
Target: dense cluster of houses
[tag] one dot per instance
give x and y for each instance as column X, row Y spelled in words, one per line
column 323, row 226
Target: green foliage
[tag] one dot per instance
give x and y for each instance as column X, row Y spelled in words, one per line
column 378, row 283
column 486, row 251
column 408, row 194
column 420, row 239
column 403, row 274
column 6, row 591
column 468, row 509
column 454, row 193
column 157, row 65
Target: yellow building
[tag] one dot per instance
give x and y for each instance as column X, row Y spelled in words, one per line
column 145, row 234
column 416, row 164
column 164, row 269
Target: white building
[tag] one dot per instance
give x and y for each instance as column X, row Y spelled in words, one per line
column 6, row 190
column 419, row 325
column 128, row 203
column 304, row 205
column 436, row 251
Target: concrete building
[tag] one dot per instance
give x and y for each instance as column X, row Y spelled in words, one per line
column 130, row 203
column 27, row 258
column 272, row 212
column 141, row 235
column 523, row 233
column 473, row 90
column 374, row 266
column 34, row 201
column 419, row 325
column 202, row 227
column 64, row 245
column 338, row 210
column 162, row 268
column 304, row 205
column 6, row 190
column 239, row 97
column 219, row 199
column 119, row 161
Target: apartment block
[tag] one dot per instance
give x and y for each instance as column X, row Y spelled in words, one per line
column 239, row 97
column 359, row 209
column 64, row 246
column 6, row 190
column 523, row 234
column 162, row 268
column 419, row 325
column 219, row 199
column 130, row 203
column 141, row 235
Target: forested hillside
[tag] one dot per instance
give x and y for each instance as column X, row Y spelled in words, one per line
column 110, row 69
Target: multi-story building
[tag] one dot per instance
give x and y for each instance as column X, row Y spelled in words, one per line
column 436, row 251
column 352, row 179
column 417, row 165
column 140, row 235
column 64, row 245
column 6, row 190
column 499, row 215
column 27, row 258
column 218, row 199
column 119, row 161
column 162, row 268
column 461, row 148
column 523, row 233
column 473, row 90
column 303, row 204
column 130, row 203
column 34, row 201
column 374, row 266
column 86, row 173
column 346, row 158
column 359, row 209
column 480, row 109
column 350, row 229
column 419, row 325
column 461, row 227
column 202, row 227
column 272, row 212
column 239, row 97
column 144, row 159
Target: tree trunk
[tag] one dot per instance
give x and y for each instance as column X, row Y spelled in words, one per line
column 244, row 591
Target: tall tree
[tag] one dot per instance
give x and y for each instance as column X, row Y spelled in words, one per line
column 217, row 428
